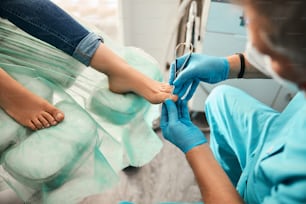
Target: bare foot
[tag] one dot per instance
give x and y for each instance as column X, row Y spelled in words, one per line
column 130, row 80
column 25, row 107
column 123, row 78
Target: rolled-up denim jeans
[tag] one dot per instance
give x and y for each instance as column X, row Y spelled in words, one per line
column 47, row 22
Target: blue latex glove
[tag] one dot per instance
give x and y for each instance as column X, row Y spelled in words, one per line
column 177, row 127
column 200, row 67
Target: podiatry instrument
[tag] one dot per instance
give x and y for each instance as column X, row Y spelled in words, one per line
column 189, row 50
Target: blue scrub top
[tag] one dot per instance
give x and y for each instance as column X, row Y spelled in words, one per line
column 278, row 173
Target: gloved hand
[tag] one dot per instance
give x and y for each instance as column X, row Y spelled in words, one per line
column 177, row 127
column 200, row 67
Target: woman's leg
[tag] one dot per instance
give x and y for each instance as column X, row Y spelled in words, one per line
column 124, row 78
column 46, row 21
column 25, row 107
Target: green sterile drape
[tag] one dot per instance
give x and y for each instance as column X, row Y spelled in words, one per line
column 102, row 132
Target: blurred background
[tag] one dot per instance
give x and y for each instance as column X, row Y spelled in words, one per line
column 157, row 26
column 101, row 13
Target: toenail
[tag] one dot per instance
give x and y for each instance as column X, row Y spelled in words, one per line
column 59, row 116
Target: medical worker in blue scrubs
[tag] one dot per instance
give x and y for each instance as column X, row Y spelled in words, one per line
column 255, row 153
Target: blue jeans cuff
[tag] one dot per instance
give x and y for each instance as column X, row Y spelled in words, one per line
column 86, row 48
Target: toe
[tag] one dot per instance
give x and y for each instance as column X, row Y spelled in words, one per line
column 32, row 126
column 171, row 96
column 59, row 116
column 56, row 115
column 166, row 88
column 174, row 97
column 49, row 118
column 37, row 123
column 44, row 121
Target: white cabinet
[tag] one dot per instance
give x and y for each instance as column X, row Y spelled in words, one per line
column 223, row 33
column 225, row 18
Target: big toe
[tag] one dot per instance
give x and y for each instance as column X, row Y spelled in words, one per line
column 59, row 116
column 173, row 97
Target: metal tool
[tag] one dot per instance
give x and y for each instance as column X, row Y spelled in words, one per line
column 189, row 52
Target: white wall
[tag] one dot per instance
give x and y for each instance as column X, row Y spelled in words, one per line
column 147, row 24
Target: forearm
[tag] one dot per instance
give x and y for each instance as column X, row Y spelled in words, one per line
column 250, row 71
column 214, row 184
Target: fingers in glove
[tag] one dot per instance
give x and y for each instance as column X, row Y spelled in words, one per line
column 164, row 116
column 181, row 90
column 172, row 111
column 184, row 110
column 191, row 90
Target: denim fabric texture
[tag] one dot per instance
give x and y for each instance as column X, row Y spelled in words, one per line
column 47, row 22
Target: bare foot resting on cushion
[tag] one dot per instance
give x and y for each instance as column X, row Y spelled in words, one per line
column 123, row 78
column 25, row 107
